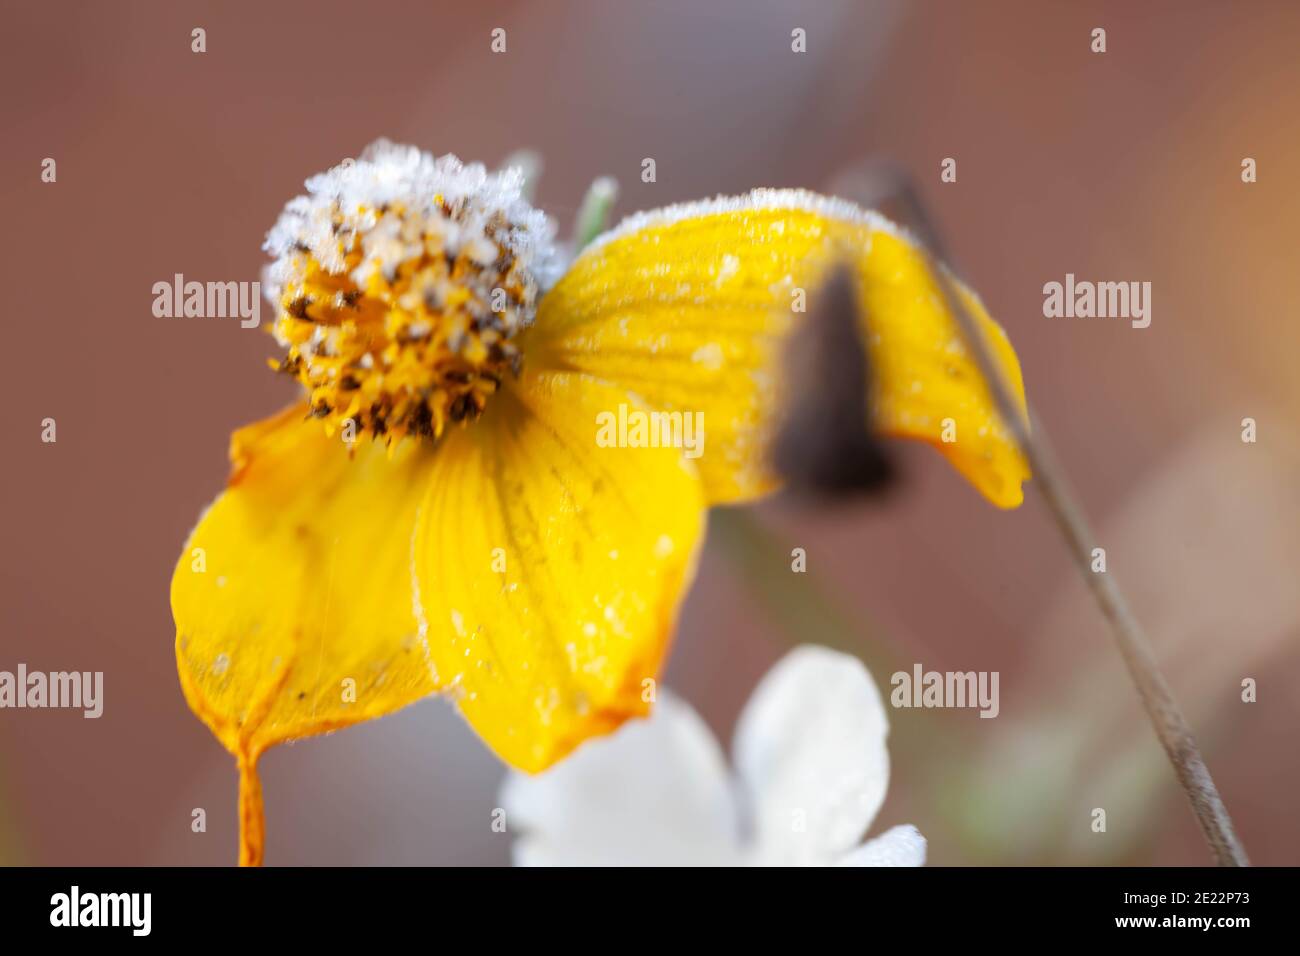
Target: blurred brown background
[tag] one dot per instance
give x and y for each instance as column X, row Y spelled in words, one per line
column 1121, row 166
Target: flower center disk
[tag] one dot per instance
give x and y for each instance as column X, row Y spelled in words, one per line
column 401, row 283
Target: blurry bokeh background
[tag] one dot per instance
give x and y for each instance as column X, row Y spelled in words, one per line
column 1121, row 166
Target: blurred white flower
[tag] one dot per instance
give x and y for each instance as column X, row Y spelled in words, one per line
column 811, row 770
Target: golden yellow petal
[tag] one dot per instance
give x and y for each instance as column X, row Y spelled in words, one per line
column 293, row 597
column 688, row 307
column 551, row 568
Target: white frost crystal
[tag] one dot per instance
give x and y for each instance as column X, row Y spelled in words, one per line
column 389, row 174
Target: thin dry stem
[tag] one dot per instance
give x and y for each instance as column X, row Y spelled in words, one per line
column 1167, row 718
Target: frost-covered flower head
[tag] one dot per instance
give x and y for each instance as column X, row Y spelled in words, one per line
column 401, row 281
column 811, row 770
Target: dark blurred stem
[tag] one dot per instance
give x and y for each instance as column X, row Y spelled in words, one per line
column 1166, row 717
column 797, row 603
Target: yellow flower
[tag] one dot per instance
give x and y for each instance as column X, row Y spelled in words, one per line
column 438, row 514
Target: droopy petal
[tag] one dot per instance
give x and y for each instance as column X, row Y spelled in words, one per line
column 655, row 793
column 810, row 750
column 550, row 569
column 292, row 598
column 897, row 846
column 688, row 306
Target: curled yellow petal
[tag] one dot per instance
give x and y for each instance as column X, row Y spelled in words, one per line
column 551, row 566
column 689, row 307
column 293, row 599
